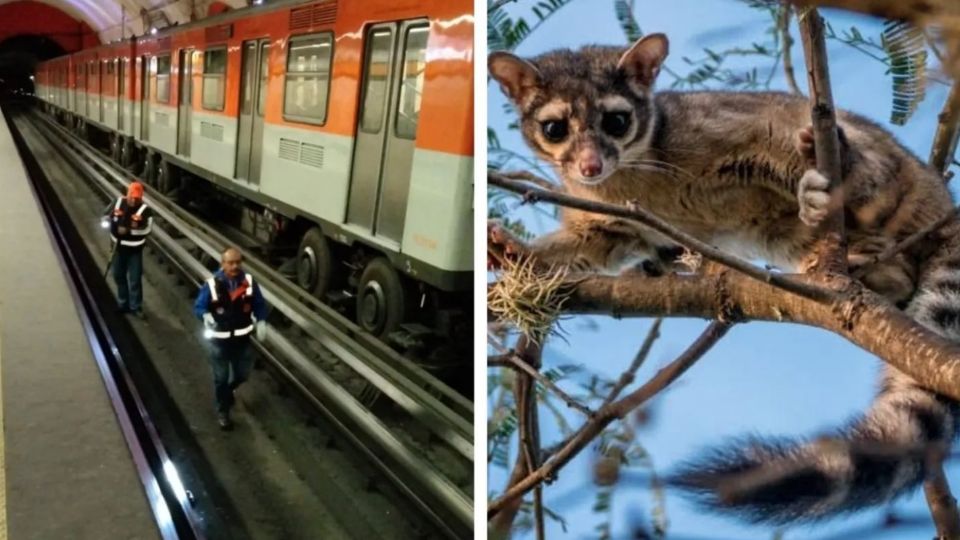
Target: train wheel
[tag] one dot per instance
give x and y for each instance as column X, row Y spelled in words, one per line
column 126, row 153
column 149, row 173
column 317, row 269
column 115, row 143
column 164, row 177
column 382, row 300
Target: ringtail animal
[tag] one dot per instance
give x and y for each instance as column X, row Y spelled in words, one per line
column 734, row 169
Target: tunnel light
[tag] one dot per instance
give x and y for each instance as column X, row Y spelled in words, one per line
column 31, row 77
column 153, row 30
column 257, row 2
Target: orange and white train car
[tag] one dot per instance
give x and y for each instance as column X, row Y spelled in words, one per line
column 345, row 125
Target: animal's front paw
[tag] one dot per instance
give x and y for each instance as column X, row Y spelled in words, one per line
column 805, row 145
column 813, row 197
column 502, row 244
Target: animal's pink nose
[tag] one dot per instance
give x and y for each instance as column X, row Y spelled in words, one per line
column 591, row 166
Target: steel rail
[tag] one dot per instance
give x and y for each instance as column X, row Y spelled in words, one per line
column 399, row 378
column 170, row 505
column 434, row 493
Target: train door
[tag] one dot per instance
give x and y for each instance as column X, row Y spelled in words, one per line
column 185, row 110
column 103, row 76
column 145, row 98
column 394, row 62
column 253, row 101
column 121, row 86
column 74, row 105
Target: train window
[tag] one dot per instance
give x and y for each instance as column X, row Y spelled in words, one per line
column 377, row 79
column 214, row 78
column 163, row 79
column 411, row 85
column 307, row 84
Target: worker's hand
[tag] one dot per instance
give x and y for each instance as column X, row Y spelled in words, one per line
column 122, row 230
column 208, row 321
column 261, row 330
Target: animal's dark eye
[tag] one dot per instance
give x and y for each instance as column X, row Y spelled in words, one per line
column 615, row 123
column 554, row 130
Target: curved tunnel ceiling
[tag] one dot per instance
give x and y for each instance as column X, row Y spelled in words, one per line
column 113, row 19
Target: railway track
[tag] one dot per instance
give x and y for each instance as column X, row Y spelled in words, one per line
column 414, row 428
column 169, row 502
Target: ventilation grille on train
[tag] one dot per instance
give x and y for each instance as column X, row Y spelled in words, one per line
column 220, row 32
column 319, row 14
column 211, row 131
column 303, row 153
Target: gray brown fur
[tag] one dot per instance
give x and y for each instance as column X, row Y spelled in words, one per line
column 727, row 168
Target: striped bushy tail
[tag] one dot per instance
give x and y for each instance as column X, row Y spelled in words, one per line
column 874, row 459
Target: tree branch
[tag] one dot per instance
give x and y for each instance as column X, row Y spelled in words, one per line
column 831, row 250
column 627, row 376
column 783, row 281
column 533, row 179
column 860, row 315
column 783, row 26
column 516, row 362
column 948, row 130
column 582, row 438
column 943, row 507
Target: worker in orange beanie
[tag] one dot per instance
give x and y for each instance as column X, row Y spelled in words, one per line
column 130, row 221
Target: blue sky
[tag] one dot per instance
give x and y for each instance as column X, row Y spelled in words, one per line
column 763, row 378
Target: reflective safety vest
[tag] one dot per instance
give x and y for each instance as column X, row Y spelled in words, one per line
column 232, row 311
column 137, row 227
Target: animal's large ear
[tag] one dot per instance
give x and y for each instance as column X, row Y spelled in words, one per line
column 515, row 75
column 642, row 62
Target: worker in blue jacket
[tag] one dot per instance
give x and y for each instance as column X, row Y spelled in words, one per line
column 232, row 309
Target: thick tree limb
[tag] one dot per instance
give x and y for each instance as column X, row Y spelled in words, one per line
column 948, row 131
column 643, row 216
column 861, row 316
column 831, row 249
column 582, row 438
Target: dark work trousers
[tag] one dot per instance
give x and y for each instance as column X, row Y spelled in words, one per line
column 127, row 272
column 231, row 360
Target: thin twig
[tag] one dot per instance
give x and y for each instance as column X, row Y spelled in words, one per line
column 533, row 179
column 892, row 251
column 783, row 25
column 628, row 376
column 831, row 248
column 515, row 361
column 790, row 284
column 582, row 438
column 948, row 130
column 943, row 506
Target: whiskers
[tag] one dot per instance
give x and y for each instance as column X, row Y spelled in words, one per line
column 657, row 166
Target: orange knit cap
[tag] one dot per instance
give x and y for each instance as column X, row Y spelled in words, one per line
column 135, row 190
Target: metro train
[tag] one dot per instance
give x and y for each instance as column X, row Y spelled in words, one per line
column 341, row 131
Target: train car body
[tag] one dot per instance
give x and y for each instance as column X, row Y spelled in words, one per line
column 347, row 125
